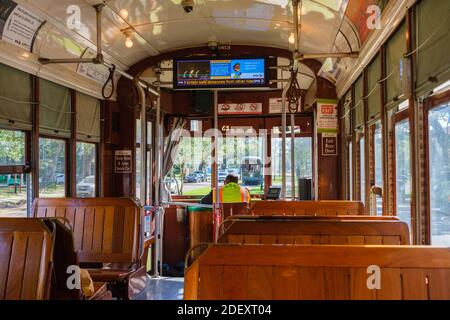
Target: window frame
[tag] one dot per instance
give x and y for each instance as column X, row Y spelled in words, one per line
column 429, row 104
column 21, row 168
column 398, row 117
column 97, row 166
column 68, row 179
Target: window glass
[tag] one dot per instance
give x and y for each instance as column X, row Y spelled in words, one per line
column 242, row 156
column 52, row 168
column 138, row 173
column 13, row 195
column 86, row 170
column 350, row 171
column 362, row 172
column 303, row 162
column 403, row 171
column 138, row 160
column 378, row 141
column 12, row 146
column 149, row 177
column 439, row 151
column 191, row 171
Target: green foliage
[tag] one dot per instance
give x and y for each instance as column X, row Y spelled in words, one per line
column 12, row 147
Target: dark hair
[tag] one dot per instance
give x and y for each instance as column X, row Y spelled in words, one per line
column 231, row 178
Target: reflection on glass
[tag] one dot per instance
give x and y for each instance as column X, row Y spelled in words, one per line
column 86, row 170
column 378, row 139
column 403, row 172
column 439, row 150
column 13, row 195
column 138, row 173
column 242, row 156
column 149, row 177
column 52, row 168
column 303, row 162
column 12, row 146
column 362, row 172
column 350, row 159
column 191, row 170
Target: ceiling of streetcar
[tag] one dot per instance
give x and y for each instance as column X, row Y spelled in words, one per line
column 158, row 26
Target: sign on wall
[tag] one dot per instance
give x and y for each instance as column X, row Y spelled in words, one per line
column 239, row 108
column 275, row 105
column 18, row 25
column 96, row 72
column 123, row 161
column 329, row 144
column 327, row 116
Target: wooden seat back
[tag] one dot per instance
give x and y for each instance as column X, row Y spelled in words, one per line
column 337, row 232
column 306, row 208
column 26, row 250
column 106, row 230
column 277, row 272
column 234, row 209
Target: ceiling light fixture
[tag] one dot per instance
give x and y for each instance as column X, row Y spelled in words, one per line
column 124, row 14
column 292, row 38
column 128, row 42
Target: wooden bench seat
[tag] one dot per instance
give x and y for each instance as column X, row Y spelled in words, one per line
column 108, row 237
column 339, row 232
column 276, row 272
column 306, row 208
column 65, row 256
column 26, row 262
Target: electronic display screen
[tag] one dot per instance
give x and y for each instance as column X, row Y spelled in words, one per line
column 220, row 73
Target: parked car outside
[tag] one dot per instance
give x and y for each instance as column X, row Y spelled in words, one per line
column 60, row 178
column 86, row 188
column 222, row 176
column 201, row 175
column 192, row 178
column 172, row 185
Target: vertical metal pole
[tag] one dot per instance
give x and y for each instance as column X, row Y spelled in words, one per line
column 98, row 9
column 217, row 208
column 283, row 142
column 157, row 201
column 143, row 146
column 143, row 143
column 293, row 156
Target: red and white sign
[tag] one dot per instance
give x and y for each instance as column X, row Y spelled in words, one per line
column 275, row 105
column 327, row 116
column 240, row 108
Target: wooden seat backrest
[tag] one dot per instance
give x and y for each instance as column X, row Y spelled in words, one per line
column 234, row 209
column 337, row 232
column 306, row 208
column 26, row 250
column 106, row 230
column 277, row 272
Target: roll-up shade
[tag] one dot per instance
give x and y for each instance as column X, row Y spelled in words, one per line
column 54, row 109
column 359, row 103
column 347, row 106
column 395, row 50
column 434, row 44
column 374, row 100
column 15, row 98
column 88, row 118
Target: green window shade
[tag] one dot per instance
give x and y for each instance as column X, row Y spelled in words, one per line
column 15, row 98
column 88, row 118
column 434, row 56
column 54, row 109
column 359, row 103
column 347, row 107
column 395, row 50
column 374, row 100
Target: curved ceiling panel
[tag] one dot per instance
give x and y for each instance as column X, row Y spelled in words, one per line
column 160, row 26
